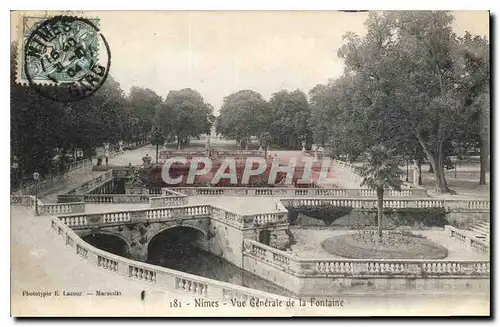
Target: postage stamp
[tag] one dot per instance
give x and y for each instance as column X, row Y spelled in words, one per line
column 66, row 53
column 250, row 163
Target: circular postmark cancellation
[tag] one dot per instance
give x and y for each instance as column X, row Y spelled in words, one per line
column 64, row 60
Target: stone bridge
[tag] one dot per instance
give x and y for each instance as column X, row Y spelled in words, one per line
column 218, row 231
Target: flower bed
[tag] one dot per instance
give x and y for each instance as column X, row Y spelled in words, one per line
column 393, row 245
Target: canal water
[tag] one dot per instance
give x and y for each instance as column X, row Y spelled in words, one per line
column 194, row 261
column 174, row 249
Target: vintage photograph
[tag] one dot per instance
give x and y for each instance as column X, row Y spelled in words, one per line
column 250, row 163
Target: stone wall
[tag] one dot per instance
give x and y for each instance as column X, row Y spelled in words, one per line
column 324, row 277
column 359, row 218
column 225, row 241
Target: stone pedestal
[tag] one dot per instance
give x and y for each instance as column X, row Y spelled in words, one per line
column 146, row 161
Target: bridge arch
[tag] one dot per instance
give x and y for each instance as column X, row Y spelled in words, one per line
column 173, row 238
column 108, row 241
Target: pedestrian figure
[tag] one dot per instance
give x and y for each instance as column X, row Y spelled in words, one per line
column 107, row 157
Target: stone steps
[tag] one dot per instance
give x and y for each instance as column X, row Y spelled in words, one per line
column 481, row 230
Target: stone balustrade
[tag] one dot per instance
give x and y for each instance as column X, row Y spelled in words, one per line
column 468, row 237
column 175, row 213
column 292, row 192
column 22, row 200
column 45, row 185
column 166, row 201
column 104, row 198
column 302, row 267
column 155, row 276
column 59, row 208
column 91, row 185
column 352, row 170
column 178, row 212
column 165, row 154
column 116, row 198
column 457, row 205
column 46, row 209
column 229, row 218
column 266, row 218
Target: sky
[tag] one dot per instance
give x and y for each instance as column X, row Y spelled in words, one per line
column 221, row 52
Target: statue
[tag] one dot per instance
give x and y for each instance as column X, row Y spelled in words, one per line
column 146, row 161
column 134, row 179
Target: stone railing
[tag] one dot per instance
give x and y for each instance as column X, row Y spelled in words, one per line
column 168, row 198
column 165, row 154
column 103, row 198
column 302, row 267
column 136, row 190
column 45, row 185
column 143, row 190
column 459, row 205
column 59, row 208
column 166, row 201
column 46, row 209
column 253, row 153
column 468, row 238
column 154, row 276
column 136, row 215
column 352, row 170
column 175, row 213
column 293, row 192
column 92, row 184
column 22, row 200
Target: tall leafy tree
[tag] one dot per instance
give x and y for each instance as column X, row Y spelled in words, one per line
column 185, row 114
column 380, row 171
column 143, row 104
column 243, row 114
column 322, row 104
column 290, row 114
column 265, row 141
column 157, row 138
column 39, row 125
column 473, row 75
column 408, row 58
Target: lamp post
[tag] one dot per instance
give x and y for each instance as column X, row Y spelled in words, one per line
column 36, row 177
column 15, row 168
column 407, row 169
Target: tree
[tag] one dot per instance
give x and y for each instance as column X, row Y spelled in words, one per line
column 157, row 139
column 321, row 103
column 185, row 114
column 473, row 74
column 380, row 171
column 347, row 115
column 243, row 114
column 408, row 58
column 143, row 104
column 290, row 115
column 265, row 140
column 42, row 128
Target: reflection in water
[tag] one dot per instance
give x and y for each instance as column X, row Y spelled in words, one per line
column 108, row 243
column 192, row 260
column 175, row 249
